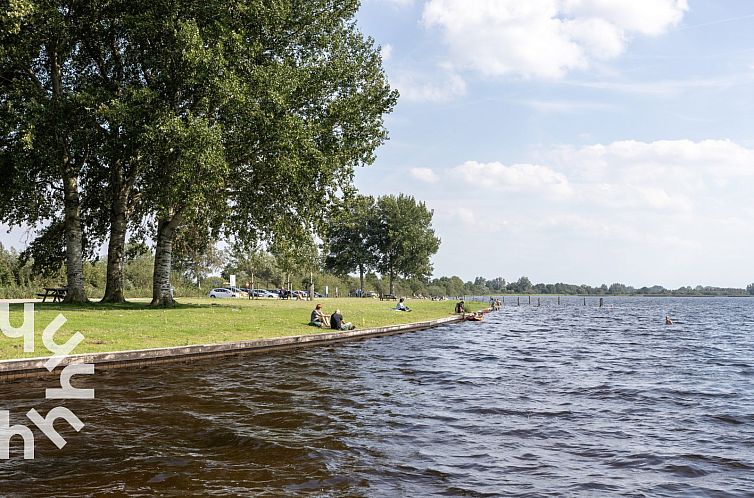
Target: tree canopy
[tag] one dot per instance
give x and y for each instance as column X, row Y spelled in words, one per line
column 393, row 235
column 351, row 238
column 247, row 118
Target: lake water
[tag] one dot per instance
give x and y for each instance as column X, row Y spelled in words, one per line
column 566, row 400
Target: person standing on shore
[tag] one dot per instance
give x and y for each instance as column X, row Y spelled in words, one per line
column 460, row 308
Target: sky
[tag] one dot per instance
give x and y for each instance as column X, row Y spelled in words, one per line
column 578, row 141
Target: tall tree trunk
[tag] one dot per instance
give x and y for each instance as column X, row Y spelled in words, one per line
column 391, row 282
column 161, row 290
column 74, row 247
column 361, row 279
column 116, row 248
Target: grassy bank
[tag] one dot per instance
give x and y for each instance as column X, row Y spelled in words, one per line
column 203, row 321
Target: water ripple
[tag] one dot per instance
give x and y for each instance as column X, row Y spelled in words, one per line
column 566, row 400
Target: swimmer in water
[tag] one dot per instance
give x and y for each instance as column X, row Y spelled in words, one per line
column 668, row 321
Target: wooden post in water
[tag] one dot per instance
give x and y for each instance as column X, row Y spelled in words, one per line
column 558, row 300
column 600, row 302
column 584, row 301
column 529, row 299
column 518, row 301
column 538, row 302
column 503, row 300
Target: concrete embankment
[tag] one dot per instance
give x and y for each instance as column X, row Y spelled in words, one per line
column 35, row 367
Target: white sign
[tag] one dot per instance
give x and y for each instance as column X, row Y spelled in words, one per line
column 232, row 280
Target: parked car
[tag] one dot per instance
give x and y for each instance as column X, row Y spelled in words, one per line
column 222, row 292
column 262, row 293
column 239, row 292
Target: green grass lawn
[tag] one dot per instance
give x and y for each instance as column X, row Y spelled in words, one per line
column 205, row 321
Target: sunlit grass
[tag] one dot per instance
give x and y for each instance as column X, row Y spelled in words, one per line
column 205, row 321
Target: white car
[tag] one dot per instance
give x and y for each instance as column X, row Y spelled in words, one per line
column 222, row 292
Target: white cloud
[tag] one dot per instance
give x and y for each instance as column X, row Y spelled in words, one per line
column 664, row 176
column 416, row 87
column 386, row 52
column 544, row 38
column 465, row 215
column 399, row 3
column 517, row 177
column 678, row 163
column 672, row 212
column 647, row 17
column 425, row 175
column 665, row 88
column 564, row 106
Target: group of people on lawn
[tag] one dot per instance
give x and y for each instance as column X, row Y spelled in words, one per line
column 335, row 321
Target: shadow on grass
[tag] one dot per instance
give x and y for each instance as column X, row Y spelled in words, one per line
column 97, row 306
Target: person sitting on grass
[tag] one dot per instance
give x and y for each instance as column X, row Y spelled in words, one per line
column 337, row 323
column 460, row 308
column 319, row 319
column 401, row 306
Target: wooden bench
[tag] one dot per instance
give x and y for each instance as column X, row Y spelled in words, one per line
column 56, row 293
column 386, row 297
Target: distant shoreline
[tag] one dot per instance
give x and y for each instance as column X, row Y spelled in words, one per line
column 487, row 296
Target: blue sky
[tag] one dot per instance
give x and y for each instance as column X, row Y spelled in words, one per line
column 585, row 141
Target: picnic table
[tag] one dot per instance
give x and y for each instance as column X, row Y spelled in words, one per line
column 56, row 293
column 385, row 297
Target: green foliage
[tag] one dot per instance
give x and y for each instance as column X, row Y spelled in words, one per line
column 350, row 237
column 47, row 250
column 195, row 253
column 270, row 105
column 403, row 237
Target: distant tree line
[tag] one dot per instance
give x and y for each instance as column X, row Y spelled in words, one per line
column 193, row 276
column 524, row 286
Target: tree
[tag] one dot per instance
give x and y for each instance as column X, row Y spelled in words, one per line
column 49, row 133
column 750, row 289
column 497, row 284
column 312, row 112
column 195, row 253
column 617, row 288
column 271, row 104
column 349, row 238
column 523, row 285
column 296, row 257
column 403, row 238
column 288, row 98
column 261, row 264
